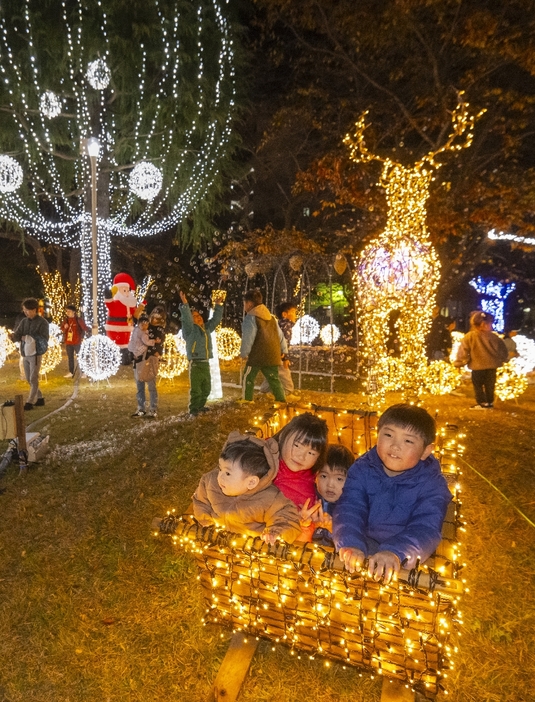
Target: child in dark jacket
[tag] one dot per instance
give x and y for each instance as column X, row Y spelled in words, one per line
column 395, row 497
column 239, row 495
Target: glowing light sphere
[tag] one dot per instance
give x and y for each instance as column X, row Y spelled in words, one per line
column 509, row 385
column 525, row 363
column 99, row 357
column 172, row 361
column 7, row 347
column 10, row 175
column 52, row 356
column 98, row 74
column 4, row 339
column 441, row 378
column 228, row 343
column 329, row 334
column 146, row 180
column 304, row 331
column 50, row 104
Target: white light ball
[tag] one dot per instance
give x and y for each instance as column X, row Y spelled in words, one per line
column 329, row 334
column 10, row 175
column 99, row 357
column 50, row 104
column 228, row 343
column 98, row 74
column 525, row 362
column 146, row 180
column 304, row 331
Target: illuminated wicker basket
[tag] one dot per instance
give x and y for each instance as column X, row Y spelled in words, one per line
column 299, row 595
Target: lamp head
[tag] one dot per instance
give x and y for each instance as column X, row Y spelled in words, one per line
column 93, row 147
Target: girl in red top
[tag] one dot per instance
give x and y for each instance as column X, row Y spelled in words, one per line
column 303, row 447
column 74, row 329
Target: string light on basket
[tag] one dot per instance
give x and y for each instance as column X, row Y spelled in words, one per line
column 304, row 331
column 98, row 74
column 50, row 104
column 146, row 181
column 329, row 334
column 99, row 357
column 228, row 343
column 11, row 174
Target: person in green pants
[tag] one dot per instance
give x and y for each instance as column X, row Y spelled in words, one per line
column 263, row 345
column 197, row 335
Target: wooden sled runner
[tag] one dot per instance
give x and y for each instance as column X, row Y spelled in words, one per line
column 299, row 595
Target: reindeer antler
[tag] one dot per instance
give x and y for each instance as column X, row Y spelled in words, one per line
column 357, row 146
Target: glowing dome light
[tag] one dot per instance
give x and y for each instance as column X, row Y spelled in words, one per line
column 172, row 362
column 52, row 356
column 99, row 357
column 146, row 180
column 525, row 363
column 509, row 385
column 50, row 104
column 228, row 343
column 10, row 175
column 329, row 334
column 442, row 378
column 304, row 331
column 98, row 74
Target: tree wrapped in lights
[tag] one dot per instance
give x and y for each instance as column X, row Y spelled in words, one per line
column 399, row 270
column 494, row 294
column 155, row 86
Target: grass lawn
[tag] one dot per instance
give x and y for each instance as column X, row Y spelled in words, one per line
column 93, row 608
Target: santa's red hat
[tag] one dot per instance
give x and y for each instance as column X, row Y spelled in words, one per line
column 122, row 278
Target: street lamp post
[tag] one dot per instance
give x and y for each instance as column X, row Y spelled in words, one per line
column 93, row 148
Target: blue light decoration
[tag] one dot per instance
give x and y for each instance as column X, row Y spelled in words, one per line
column 493, row 301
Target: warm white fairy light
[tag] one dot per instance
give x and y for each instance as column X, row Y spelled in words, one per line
column 10, row 174
column 3, row 345
column 187, row 144
column 509, row 383
column 50, row 104
column 146, row 180
column 304, row 331
column 143, row 289
column 228, row 343
column 172, row 361
column 98, row 74
column 525, row 362
column 441, row 378
column 329, row 334
column 52, row 356
column 99, row 357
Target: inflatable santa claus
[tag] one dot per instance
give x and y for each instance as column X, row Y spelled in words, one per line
column 122, row 307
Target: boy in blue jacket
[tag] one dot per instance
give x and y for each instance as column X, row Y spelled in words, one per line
column 395, row 497
column 198, row 337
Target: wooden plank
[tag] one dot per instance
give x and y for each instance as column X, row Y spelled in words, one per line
column 20, row 423
column 396, row 691
column 234, row 667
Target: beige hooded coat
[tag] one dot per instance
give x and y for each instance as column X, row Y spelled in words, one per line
column 261, row 510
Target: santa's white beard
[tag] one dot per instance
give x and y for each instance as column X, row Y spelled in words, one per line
column 128, row 299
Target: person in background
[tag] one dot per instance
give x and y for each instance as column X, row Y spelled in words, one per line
column 484, row 352
column 32, row 332
column 263, row 346
column 74, row 329
column 286, row 317
column 198, row 337
column 509, row 341
column 138, row 346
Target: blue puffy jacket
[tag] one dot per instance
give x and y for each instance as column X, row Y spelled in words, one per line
column 403, row 513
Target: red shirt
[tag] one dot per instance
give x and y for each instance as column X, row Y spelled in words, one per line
column 297, row 487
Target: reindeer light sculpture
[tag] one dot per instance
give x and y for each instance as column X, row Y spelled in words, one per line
column 397, row 273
